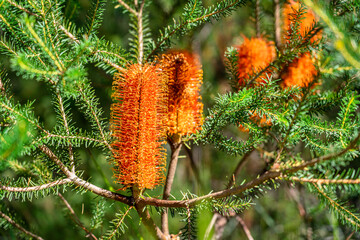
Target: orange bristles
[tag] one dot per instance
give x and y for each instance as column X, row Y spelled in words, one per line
column 254, row 55
column 185, row 78
column 308, row 19
column 301, row 72
column 137, row 118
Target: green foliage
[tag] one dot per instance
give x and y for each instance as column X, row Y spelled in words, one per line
column 98, row 214
column 189, row 231
column 13, row 140
column 344, row 213
column 119, row 226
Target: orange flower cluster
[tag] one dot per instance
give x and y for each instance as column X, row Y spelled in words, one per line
column 184, row 74
column 137, row 124
column 254, row 55
column 308, row 19
column 302, row 71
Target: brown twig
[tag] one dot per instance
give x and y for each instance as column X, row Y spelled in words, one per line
column 277, row 24
column 23, row 9
column 82, row 183
column 149, row 222
column 140, row 33
column 297, row 197
column 127, row 7
column 2, row 89
column 244, row 227
column 75, row 218
column 255, row 182
column 175, row 150
column 238, row 168
column 12, row 222
column 119, row 223
column 63, row 115
column 191, row 202
column 351, row 234
column 211, row 225
column 326, row 181
column 35, row 188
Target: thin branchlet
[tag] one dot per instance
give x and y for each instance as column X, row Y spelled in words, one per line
column 15, row 224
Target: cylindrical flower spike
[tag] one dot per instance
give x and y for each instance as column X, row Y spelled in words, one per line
column 301, row 72
column 307, row 20
column 254, row 55
column 184, row 75
column 137, row 123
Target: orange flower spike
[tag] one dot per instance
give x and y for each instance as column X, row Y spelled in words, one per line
column 308, row 19
column 137, row 124
column 185, row 78
column 254, row 55
column 301, row 72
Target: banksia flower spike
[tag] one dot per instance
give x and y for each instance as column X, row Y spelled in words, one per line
column 254, row 55
column 184, row 75
column 301, row 72
column 137, row 124
column 307, row 20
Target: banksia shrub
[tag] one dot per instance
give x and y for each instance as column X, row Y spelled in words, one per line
column 305, row 23
column 301, row 72
column 254, row 55
column 137, row 117
column 184, row 75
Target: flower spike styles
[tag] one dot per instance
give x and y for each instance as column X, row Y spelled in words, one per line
column 308, row 19
column 137, row 124
column 254, row 55
column 184, row 107
column 301, row 72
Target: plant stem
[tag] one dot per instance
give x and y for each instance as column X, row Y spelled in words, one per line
column 175, row 150
column 238, row 168
column 2, row 89
column 249, row 185
column 75, row 218
column 244, row 227
column 140, row 33
column 149, row 223
column 127, row 7
column 269, row 175
column 12, row 222
column 277, row 24
column 63, row 115
column 36, row 188
column 84, row 184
